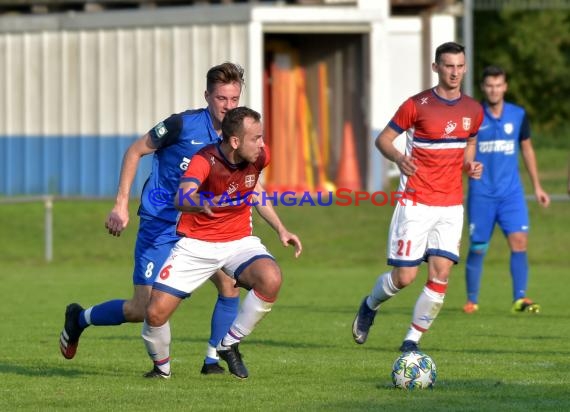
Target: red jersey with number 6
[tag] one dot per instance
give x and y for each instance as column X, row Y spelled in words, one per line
column 436, row 136
column 235, row 183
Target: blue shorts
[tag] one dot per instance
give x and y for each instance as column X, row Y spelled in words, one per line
column 510, row 213
column 155, row 239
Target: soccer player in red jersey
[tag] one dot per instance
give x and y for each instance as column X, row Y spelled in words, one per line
column 441, row 125
column 215, row 197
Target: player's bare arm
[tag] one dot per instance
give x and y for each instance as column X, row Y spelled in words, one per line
column 385, row 143
column 529, row 159
column 268, row 213
column 118, row 218
column 473, row 168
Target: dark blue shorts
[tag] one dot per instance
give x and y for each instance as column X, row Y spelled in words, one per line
column 155, row 239
column 510, row 213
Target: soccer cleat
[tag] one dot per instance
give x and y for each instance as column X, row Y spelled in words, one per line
column 409, row 346
column 212, row 369
column 69, row 337
column 233, row 357
column 525, row 305
column 157, row 373
column 362, row 322
column 470, row 307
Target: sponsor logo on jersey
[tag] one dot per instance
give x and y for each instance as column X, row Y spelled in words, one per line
column 232, row 188
column 466, row 123
column 508, row 128
column 424, row 100
column 212, row 160
column 160, row 130
column 196, row 142
column 185, row 163
column 450, row 127
column 250, row 181
column 498, row 146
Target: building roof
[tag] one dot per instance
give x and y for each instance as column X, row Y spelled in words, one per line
column 59, row 6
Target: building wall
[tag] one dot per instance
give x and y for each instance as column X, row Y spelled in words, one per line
column 404, row 53
column 72, row 101
column 76, row 90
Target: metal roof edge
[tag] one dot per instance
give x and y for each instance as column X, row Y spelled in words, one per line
column 192, row 15
column 108, row 19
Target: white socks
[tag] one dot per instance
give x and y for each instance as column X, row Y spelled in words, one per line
column 383, row 290
column 427, row 307
column 157, row 342
column 253, row 309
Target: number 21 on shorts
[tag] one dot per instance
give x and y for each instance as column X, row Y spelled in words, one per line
column 404, row 247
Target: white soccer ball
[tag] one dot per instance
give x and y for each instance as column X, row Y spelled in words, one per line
column 414, row 370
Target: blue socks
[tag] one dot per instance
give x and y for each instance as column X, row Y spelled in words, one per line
column 519, row 273
column 106, row 313
column 224, row 314
column 473, row 271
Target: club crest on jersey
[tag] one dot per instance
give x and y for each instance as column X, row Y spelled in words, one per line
column 160, row 130
column 466, row 123
column 249, row 181
column 508, row 128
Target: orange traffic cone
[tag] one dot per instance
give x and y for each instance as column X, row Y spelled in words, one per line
column 348, row 176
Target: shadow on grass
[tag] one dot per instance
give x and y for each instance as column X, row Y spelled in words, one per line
column 493, row 313
column 508, row 350
column 527, row 337
column 350, row 310
column 45, row 370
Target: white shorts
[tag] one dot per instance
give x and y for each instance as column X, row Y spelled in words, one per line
column 192, row 262
column 418, row 231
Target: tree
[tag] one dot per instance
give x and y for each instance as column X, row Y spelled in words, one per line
column 534, row 48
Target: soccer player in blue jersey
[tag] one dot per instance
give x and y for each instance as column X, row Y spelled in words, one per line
column 172, row 143
column 498, row 197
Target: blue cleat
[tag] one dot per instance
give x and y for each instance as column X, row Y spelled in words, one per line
column 409, row 346
column 362, row 322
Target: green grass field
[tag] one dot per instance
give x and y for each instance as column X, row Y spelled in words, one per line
column 301, row 357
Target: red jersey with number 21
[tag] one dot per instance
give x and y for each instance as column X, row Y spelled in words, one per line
column 436, row 135
column 217, row 176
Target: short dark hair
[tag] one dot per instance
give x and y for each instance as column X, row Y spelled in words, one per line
column 449, row 47
column 232, row 125
column 225, row 73
column 493, row 71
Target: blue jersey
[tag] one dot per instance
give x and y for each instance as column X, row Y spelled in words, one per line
column 498, row 143
column 176, row 139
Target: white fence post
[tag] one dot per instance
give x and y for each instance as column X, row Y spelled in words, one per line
column 48, row 227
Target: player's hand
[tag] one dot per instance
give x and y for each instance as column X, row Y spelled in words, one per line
column 117, row 221
column 287, row 238
column 407, row 165
column 473, row 169
column 207, row 210
column 542, row 197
